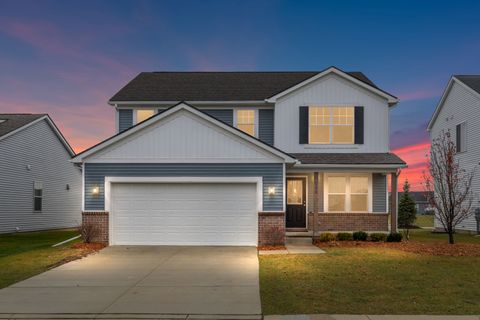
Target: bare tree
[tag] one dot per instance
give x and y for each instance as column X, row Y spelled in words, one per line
column 449, row 186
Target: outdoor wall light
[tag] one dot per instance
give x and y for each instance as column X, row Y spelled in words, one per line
column 95, row 191
column 271, row 191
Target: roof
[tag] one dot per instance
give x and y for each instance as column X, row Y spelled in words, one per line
column 215, row 86
column 179, row 106
column 14, row 121
column 349, row 158
column 472, row 81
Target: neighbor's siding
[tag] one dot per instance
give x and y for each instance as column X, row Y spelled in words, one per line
column 39, row 147
column 125, row 119
column 462, row 106
column 272, row 174
column 266, row 125
column 379, row 191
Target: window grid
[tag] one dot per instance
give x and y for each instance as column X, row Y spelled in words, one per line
column 246, row 121
column 347, row 206
column 334, row 118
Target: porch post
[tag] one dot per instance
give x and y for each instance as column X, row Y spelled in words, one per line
column 315, row 204
column 394, row 205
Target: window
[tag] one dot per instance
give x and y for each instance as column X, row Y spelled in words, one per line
column 331, row 125
column 37, row 196
column 143, row 114
column 461, row 140
column 294, row 191
column 245, row 120
column 347, row 193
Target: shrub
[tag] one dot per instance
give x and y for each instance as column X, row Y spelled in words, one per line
column 394, row 237
column 326, row 237
column 277, row 236
column 344, row 236
column 89, row 231
column 378, row 237
column 360, row 236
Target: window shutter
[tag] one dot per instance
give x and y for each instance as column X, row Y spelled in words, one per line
column 303, row 125
column 458, row 137
column 359, row 125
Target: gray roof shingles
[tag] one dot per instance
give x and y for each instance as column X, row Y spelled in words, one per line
column 12, row 121
column 348, row 158
column 213, row 86
column 473, row 81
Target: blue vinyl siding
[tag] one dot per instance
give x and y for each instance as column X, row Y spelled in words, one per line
column 379, row 189
column 265, row 125
column 272, row 175
column 125, row 119
column 225, row 115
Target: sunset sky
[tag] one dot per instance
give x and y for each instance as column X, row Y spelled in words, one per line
column 67, row 58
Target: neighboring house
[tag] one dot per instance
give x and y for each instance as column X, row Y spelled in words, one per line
column 234, row 158
column 421, row 203
column 459, row 113
column 39, row 186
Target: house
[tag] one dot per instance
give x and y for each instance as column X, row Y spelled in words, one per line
column 39, row 186
column 239, row 158
column 421, row 203
column 459, row 113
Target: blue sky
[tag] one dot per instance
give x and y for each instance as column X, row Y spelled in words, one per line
column 66, row 58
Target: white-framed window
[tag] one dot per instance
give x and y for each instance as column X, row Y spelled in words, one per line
column 246, row 120
column 348, row 192
column 461, row 137
column 143, row 114
column 331, row 125
column 37, row 196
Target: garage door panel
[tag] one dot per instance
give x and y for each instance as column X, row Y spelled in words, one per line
column 184, row 214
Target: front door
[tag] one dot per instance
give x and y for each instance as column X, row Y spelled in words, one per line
column 296, row 203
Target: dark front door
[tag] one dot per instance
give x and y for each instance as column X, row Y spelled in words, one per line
column 296, row 203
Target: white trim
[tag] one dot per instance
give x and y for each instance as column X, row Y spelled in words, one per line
column 351, row 166
column 51, row 124
column 306, row 196
column 83, row 186
column 391, row 99
column 348, row 191
column 227, row 102
column 117, row 120
column 284, row 189
column 81, row 157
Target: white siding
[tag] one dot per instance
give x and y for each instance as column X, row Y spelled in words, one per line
column 332, row 90
column 184, row 138
column 39, row 147
column 460, row 106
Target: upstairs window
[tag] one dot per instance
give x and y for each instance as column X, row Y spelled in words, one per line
column 331, row 125
column 461, row 141
column 37, row 196
column 143, row 114
column 246, row 121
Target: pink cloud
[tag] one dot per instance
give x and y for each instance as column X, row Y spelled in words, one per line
column 415, row 157
column 419, row 94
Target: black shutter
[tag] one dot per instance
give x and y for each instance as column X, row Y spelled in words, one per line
column 303, row 125
column 359, row 127
column 459, row 137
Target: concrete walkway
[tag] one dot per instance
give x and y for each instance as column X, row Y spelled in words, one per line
column 143, row 282
column 295, row 245
column 369, row 317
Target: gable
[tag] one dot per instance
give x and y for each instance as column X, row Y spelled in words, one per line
column 183, row 137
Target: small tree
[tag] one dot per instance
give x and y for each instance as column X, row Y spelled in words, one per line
column 406, row 210
column 448, row 186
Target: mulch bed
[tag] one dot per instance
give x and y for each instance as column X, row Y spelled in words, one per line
column 84, row 250
column 434, row 248
column 271, row 248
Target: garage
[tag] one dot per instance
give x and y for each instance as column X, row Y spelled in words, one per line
column 184, row 214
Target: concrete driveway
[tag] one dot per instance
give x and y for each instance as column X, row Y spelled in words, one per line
column 177, row 281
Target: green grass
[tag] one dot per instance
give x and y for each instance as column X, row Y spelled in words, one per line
column 372, row 280
column 428, row 236
column 23, row 255
column 424, row 221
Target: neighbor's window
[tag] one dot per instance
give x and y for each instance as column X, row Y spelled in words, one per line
column 37, row 196
column 246, row 121
column 461, row 137
column 331, row 125
column 348, row 193
column 144, row 114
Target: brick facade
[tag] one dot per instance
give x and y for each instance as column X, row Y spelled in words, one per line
column 343, row 221
column 271, row 228
column 100, row 220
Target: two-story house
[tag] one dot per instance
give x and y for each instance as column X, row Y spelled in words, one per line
column 238, row 158
column 458, row 113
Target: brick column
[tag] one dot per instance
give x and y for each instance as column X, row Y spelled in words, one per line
column 271, row 228
column 394, row 203
column 99, row 219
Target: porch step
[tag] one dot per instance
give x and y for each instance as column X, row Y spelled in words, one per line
column 299, row 234
column 299, row 240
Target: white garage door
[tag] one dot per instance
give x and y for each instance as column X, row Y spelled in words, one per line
column 183, row 214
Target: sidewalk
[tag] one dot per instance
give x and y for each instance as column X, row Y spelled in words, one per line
column 368, row 317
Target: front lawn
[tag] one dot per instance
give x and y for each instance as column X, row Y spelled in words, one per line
column 23, row 255
column 425, row 220
column 372, row 280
